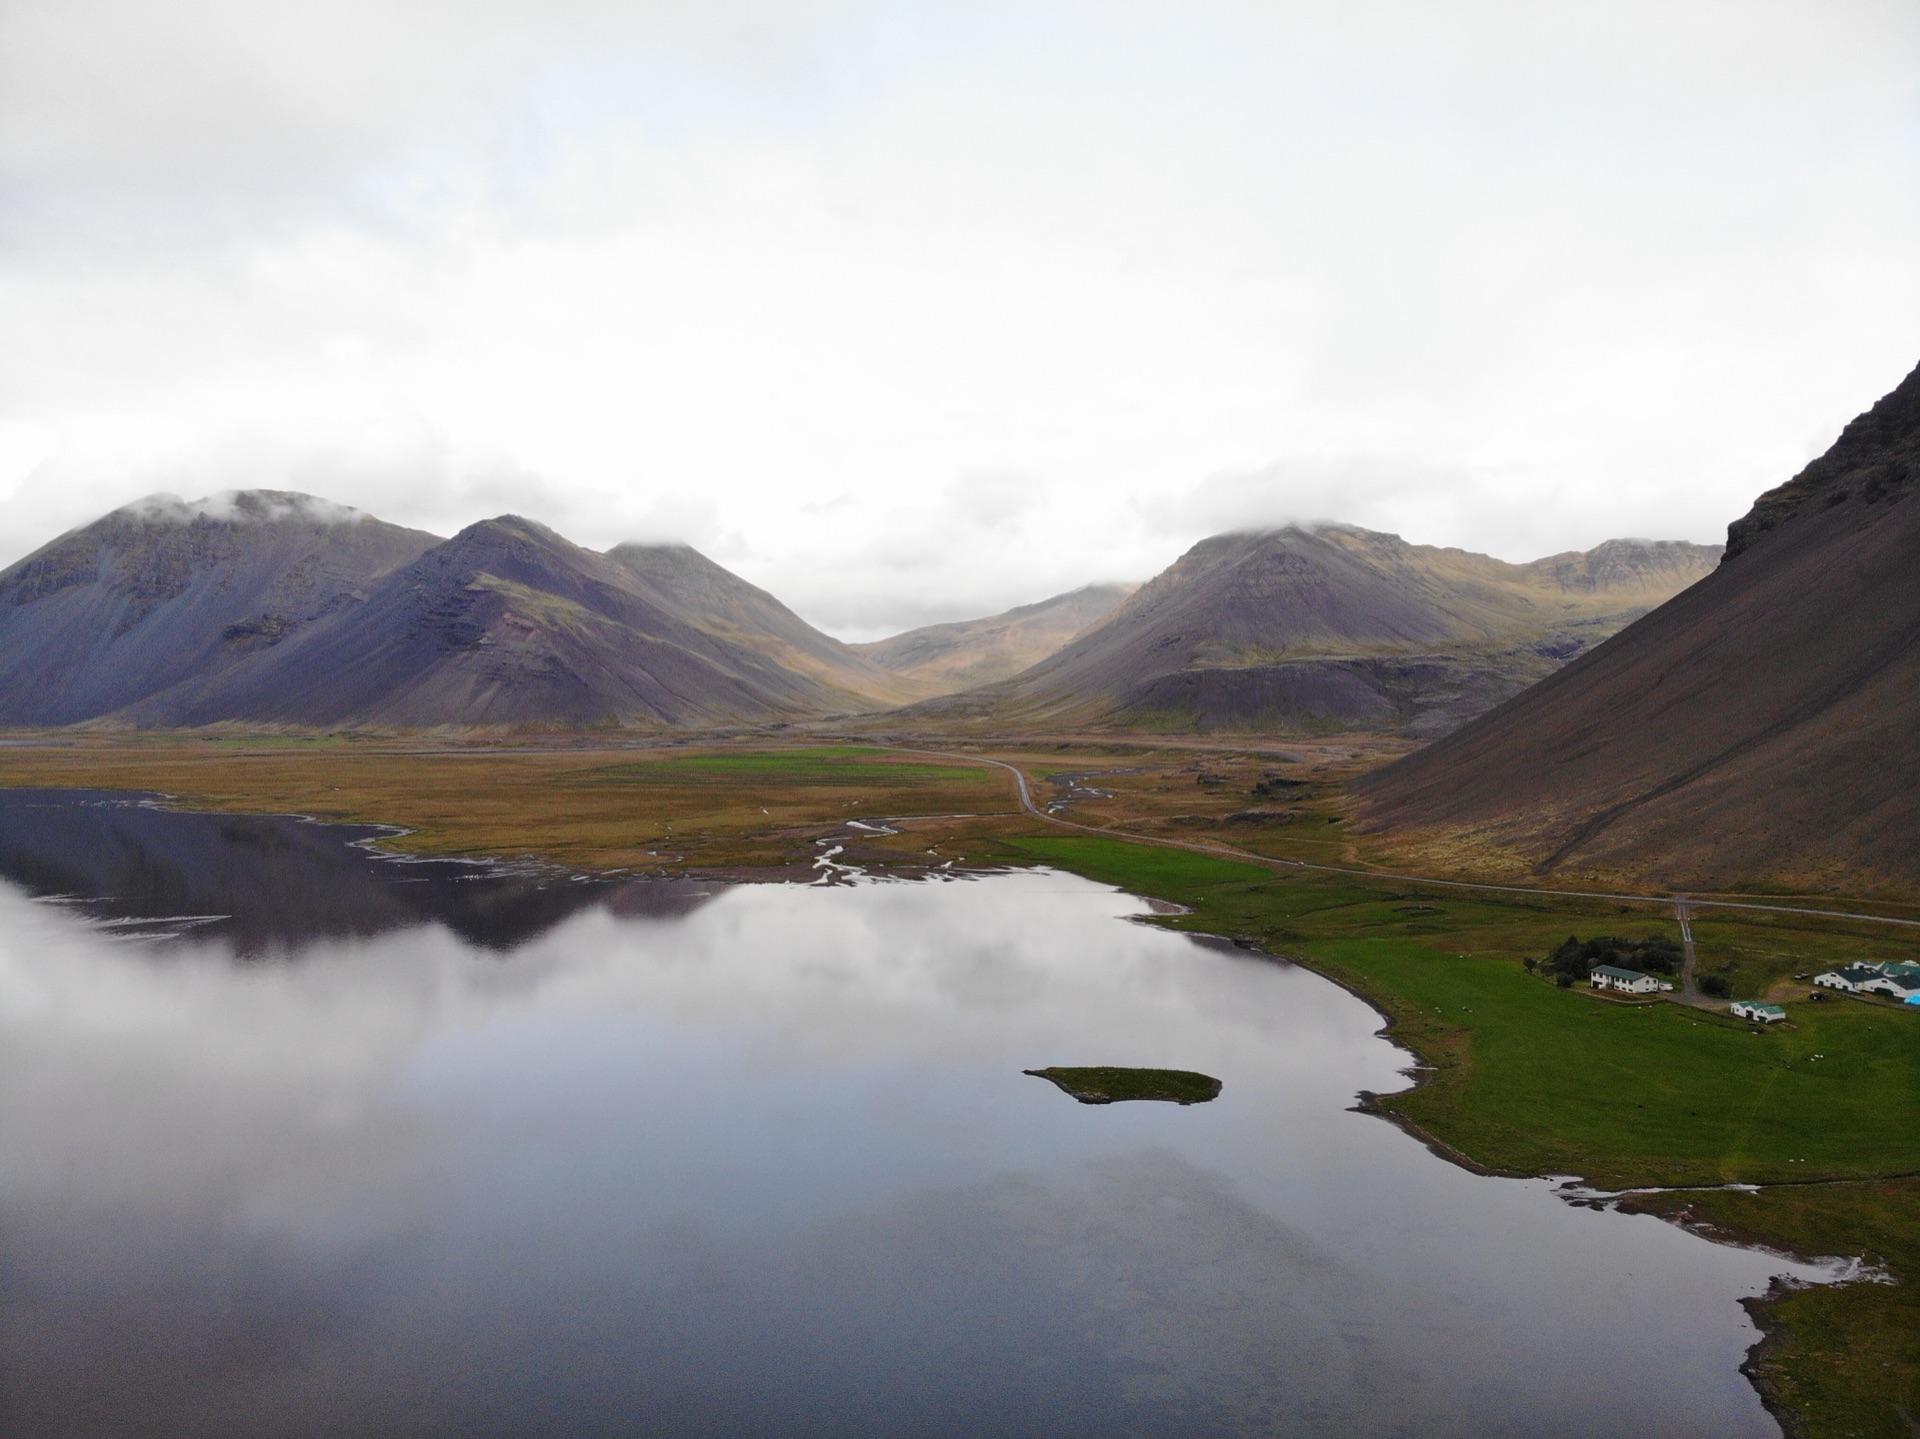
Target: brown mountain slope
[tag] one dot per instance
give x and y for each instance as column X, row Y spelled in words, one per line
column 1334, row 627
column 688, row 584
column 941, row 659
column 120, row 611
column 1760, row 728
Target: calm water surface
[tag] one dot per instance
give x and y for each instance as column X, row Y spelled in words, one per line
column 382, row 1148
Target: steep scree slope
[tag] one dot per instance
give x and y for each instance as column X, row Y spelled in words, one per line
column 1761, row 727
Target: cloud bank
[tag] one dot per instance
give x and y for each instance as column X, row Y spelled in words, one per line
column 913, row 311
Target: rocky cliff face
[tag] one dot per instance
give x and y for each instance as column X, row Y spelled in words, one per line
column 1875, row 461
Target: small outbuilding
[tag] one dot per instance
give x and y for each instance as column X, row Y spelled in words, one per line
column 1629, row 981
column 1753, row 1009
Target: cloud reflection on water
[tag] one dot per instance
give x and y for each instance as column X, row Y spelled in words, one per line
column 769, row 1165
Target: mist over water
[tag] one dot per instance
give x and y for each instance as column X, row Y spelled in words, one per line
column 516, row 1155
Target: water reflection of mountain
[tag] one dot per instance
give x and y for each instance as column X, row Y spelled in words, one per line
column 280, row 882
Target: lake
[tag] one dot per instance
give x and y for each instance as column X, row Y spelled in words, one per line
column 300, row 1140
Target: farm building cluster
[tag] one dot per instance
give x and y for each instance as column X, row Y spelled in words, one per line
column 1899, row 979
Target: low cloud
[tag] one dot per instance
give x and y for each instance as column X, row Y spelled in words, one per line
column 242, row 507
column 1514, row 513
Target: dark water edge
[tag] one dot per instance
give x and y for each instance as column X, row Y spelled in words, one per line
column 278, row 883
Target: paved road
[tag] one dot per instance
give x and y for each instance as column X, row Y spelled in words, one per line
column 1683, row 908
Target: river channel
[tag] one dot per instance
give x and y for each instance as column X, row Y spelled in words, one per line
column 296, row 1139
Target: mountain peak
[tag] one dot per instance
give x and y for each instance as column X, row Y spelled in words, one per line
column 1876, row 459
column 511, row 527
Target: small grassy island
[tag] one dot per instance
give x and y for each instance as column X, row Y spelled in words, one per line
column 1103, row 1084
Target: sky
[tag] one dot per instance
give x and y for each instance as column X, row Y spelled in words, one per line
column 910, row 312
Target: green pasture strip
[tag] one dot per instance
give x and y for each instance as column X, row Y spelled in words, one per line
column 848, row 765
column 276, row 741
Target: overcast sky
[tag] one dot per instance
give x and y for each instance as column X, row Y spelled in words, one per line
column 916, row 311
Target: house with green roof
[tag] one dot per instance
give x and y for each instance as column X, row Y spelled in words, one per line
column 1628, row 981
column 1754, row 1009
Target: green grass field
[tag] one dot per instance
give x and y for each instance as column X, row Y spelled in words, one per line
column 1648, row 1093
column 842, row 765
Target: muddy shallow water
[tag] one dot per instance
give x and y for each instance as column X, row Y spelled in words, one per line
column 392, row 1149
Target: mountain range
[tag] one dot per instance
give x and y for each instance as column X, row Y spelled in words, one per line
column 274, row 607
column 1761, row 725
column 271, row 607
column 1333, row 627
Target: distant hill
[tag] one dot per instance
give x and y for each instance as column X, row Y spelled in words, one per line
column 1330, row 627
column 940, row 659
column 1761, row 727
column 281, row 608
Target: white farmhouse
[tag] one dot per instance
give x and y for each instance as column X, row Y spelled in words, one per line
column 1848, row 980
column 1893, row 987
column 1753, row 1009
column 1605, row 976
